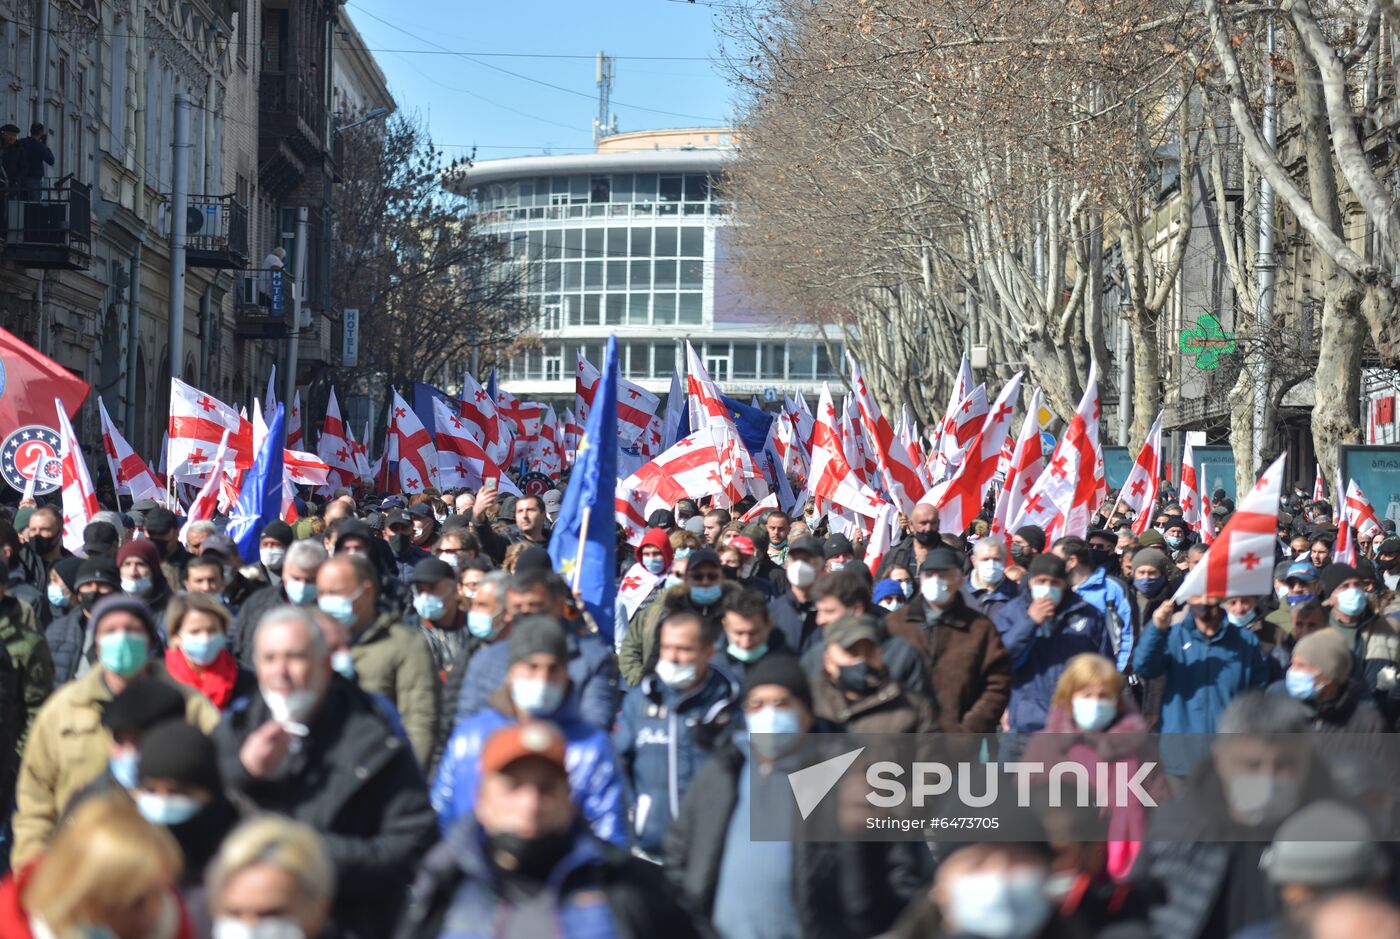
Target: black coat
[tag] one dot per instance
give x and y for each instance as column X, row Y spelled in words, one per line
column 356, row 783
column 844, row 890
column 65, row 638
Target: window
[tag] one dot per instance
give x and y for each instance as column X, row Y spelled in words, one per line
column 801, row 359
column 593, row 243
column 600, row 189
column 638, row 360
column 553, row 367
column 717, row 366
column 617, row 242
column 637, row 304
column 573, row 275
column 692, row 242
column 665, row 275
column 670, row 189
column 663, row 309
column 663, row 362
column 641, row 275
column 617, row 275
column 550, row 321
column 692, row 275
column 774, row 367
column 824, row 367
column 666, row 242
column 573, row 243
column 578, row 189
column 553, row 244
column 645, row 189
column 696, row 187
column 593, row 310
column 641, row 242
column 615, row 309
column 573, row 311
column 690, row 309
column 745, row 360
column 592, row 275
column 622, row 188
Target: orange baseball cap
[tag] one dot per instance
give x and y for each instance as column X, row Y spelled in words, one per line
column 537, row 739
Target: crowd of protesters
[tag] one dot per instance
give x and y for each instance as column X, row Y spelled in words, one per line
column 400, row 721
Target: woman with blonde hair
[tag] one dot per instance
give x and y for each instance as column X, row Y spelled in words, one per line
column 272, row 875
column 1093, row 721
column 107, row 871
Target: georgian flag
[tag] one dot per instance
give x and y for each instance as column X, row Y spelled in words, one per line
column 129, row 472
column 899, row 477
column 832, row 480
column 1139, row 490
column 636, row 407
column 1195, row 507
column 636, row 585
column 1064, row 497
column 1241, row 561
column 957, row 432
column 79, row 497
column 417, row 457
column 961, row 499
column 197, row 424
column 335, row 447
column 1027, row 463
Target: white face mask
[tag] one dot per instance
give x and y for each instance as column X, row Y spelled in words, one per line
column 536, row 696
column 270, row 927
column 801, row 574
column 677, row 676
column 991, row 571
column 999, row 905
column 272, row 557
column 935, row 590
column 1262, row 798
column 290, row 707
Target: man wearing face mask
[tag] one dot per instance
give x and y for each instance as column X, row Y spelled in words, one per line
column 315, row 747
column 44, row 546
column 425, row 526
column 398, row 533
column 1042, row 629
column 297, row 586
column 988, row 587
column 390, row 659
column 909, row 552
column 536, row 687
column 781, row 888
column 1104, row 593
column 968, row 667
column 70, row 637
column 1374, row 645
column 1176, row 533
column 1320, row 675
column 65, row 749
column 704, row 592
column 439, row 615
column 1027, row 542
column 749, row 635
column 1203, row 851
column 525, row 862
column 792, row 611
column 988, row 891
column 670, row 723
column 837, row 552
column 854, row 690
column 1388, row 563
column 1204, row 662
column 273, row 543
column 163, row 530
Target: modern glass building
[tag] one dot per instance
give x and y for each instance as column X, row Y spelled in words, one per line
column 633, row 239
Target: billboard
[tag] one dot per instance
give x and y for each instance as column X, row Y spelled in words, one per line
column 1376, row 470
column 1215, row 469
column 1117, row 464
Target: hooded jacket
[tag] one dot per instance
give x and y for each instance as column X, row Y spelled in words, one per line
column 593, row 772
column 1040, row 652
column 639, row 649
column 663, row 736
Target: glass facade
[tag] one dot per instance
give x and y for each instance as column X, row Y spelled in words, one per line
column 631, row 253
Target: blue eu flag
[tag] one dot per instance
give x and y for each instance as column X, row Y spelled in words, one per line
column 260, row 499
column 584, row 544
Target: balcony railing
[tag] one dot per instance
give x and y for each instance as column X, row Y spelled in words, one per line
column 263, row 303
column 49, row 226
column 216, row 232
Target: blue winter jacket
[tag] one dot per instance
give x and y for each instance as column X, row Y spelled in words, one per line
column 1109, row 596
column 592, row 671
column 1202, row 676
column 593, row 773
column 662, row 738
column 1039, row 653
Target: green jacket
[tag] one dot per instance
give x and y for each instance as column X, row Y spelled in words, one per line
column 394, row 661
column 20, row 633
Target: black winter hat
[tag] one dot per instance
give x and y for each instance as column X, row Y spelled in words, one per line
column 1032, row 535
column 1334, row 574
column 534, row 558
column 278, row 529
column 142, row 705
column 99, row 570
column 530, row 635
column 837, row 544
column 433, row 571
column 783, row 671
column 1047, row 564
column 178, row 751
column 160, row 521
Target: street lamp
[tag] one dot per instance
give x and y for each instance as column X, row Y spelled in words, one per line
column 374, row 115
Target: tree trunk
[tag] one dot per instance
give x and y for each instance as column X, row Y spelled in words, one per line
column 1147, row 381
column 1241, row 404
column 1337, row 379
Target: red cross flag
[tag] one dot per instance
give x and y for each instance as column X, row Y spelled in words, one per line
column 1319, row 487
column 1241, row 561
column 881, row 537
column 197, row 424
column 484, row 421
column 1139, row 490
column 707, row 410
column 418, row 462
column 832, row 480
column 628, row 505
column 896, row 470
column 962, row 387
column 79, row 497
column 1027, row 463
column 635, row 405
column 334, row 447
column 294, row 433
column 1195, row 507
column 636, row 585
column 462, row 463
column 957, row 432
column 130, row 474
column 1064, row 496
column 206, row 501
column 690, row 469
column 1359, row 513
column 961, row 500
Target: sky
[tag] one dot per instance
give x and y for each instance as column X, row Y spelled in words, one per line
column 444, row 59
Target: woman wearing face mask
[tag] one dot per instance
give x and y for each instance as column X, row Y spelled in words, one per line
column 272, row 879
column 198, row 655
column 108, row 874
column 180, row 789
column 890, row 594
column 138, row 563
column 1093, row 722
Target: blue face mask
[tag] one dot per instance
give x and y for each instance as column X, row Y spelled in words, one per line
column 1351, row 601
column 203, row 650
column 771, row 721
column 340, row 609
column 1300, row 685
column 125, row 769
column 123, row 654
column 1241, row 619
column 166, row 809
column 1093, row 714
column 655, row 564
column 300, row 592
column 1175, row 541
column 704, row 596
column 429, row 606
column 1295, row 599
column 1149, row 585
column 481, row 625
column 682, row 553
column 56, row 596
column 1042, row 591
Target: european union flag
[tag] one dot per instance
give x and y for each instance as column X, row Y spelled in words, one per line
column 260, row 499
column 423, row 395
column 751, row 423
column 584, row 544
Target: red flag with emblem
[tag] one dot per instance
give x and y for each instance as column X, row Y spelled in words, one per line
column 1139, row 490
column 130, row 473
column 79, row 497
column 961, row 499
column 1241, row 561
column 29, row 381
column 1063, row 497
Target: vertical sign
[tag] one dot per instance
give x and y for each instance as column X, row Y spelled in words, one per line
column 276, row 292
column 350, row 337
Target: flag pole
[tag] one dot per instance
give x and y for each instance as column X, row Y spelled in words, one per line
column 582, row 542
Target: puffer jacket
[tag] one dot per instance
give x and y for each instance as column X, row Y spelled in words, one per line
column 592, row 672
column 593, row 772
column 68, row 748
column 459, row 894
column 1108, row 595
column 29, row 652
column 638, row 653
column 393, row 660
column 1040, row 652
column 65, row 640
column 663, row 736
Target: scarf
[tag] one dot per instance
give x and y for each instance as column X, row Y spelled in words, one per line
column 215, row 681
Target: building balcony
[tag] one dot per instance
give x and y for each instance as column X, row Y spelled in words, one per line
column 263, row 304
column 216, row 233
column 291, row 127
column 49, row 227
